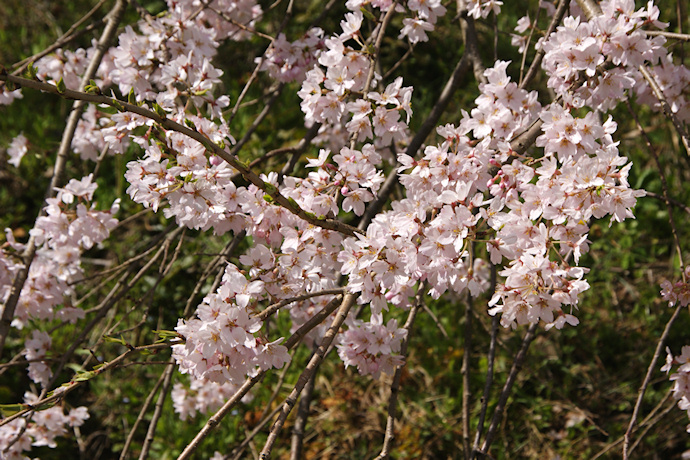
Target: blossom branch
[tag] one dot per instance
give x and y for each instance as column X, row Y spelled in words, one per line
column 293, row 340
column 79, row 380
column 122, row 287
column 271, row 191
column 417, row 141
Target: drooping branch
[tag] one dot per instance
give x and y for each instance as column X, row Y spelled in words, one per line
column 395, row 385
column 311, row 367
column 507, row 387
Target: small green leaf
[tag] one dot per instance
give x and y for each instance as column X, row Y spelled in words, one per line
column 131, row 97
column 270, row 188
column 167, row 335
column 11, row 86
column 293, row 203
column 121, row 341
column 190, row 124
column 268, row 198
column 368, row 14
column 84, row 376
column 10, row 409
column 61, row 86
column 159, row 110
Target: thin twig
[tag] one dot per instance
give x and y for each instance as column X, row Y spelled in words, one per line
column 395, row 385
column 71, row 34
column 148, row 441
column 536, row 63
column 300, row 424
column 507, row 387
column 140, row 417
column 466, row 378
column 491, row 357
column 68, row 387
column 277, row 306
column 663, row 33
column 268, row 189
column 309, row 370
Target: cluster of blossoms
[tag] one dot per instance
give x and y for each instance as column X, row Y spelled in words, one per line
column 19, row 436
column 678, row 292
column 17, row 149
column 482, row 8
column 202, row 396
column 370, row 345
column 7, row 96
column 470, row 192
column 36, row 348
column 72, row 224
column 577, row 54
column 324, row 94
column 520, row 39
column 289, row 61
column 681, row 379
column 220, row 346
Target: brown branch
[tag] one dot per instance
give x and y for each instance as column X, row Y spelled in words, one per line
column 466, row 378
column 663, row 33
column 266, row 313
column 490, row 365
column 148, row 441
column 298, row 428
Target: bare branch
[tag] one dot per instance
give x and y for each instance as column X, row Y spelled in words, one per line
column 395, row 385
column 313, row 364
